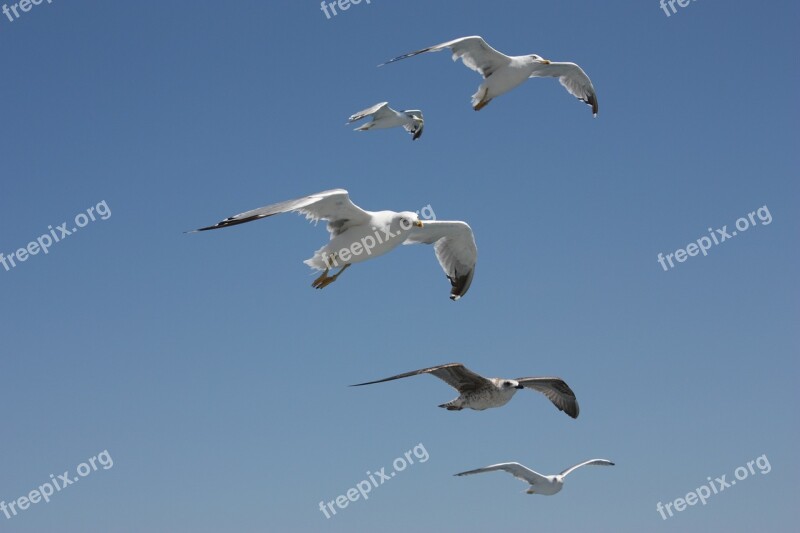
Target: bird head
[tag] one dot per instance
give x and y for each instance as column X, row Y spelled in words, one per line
column 407, row 220
column 540, row 59
column 511, row 384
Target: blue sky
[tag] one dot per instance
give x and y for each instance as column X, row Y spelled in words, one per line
column 215, row 376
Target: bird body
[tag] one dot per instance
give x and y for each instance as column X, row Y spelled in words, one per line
column 518, row 70
column 546, row 485
column 496, row 394
column 384, row 229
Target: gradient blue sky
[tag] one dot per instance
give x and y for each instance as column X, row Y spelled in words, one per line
column 215, row 376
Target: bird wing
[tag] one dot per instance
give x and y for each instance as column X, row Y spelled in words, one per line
column 557, row 391
column 515, row 469
column 380, row 110
column 473, row 51
column 455, row 249
column 600, row 462
column 416, row 128
column 454, row 374
column 573, row 78
column 334, row 206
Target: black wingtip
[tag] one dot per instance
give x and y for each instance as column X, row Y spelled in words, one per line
column 230, row 222
column 405, row 56
column 592, row 101
column 460, row 285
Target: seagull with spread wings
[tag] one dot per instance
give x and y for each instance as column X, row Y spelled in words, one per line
column 479, row 393
column 384, row 116
column 501, row 73
column 539, row 484
column 357, row 235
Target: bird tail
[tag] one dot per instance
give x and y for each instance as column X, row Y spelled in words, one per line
column 322, row 260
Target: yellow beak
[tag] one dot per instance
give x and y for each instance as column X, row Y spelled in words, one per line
column 545, row 61
column 418, row 223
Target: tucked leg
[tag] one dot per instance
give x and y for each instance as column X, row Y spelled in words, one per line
column 482, row 104
column 324, row 280
column 483, row 101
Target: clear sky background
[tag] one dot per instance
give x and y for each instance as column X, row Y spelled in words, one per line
column 216, row 377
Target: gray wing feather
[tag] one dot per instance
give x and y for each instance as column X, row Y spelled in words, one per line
column 556, row 390
column 455, row 249
column 515, row 469
column 454, row 374
column 333, row 206
column 599, row 462
column 473, row 51
column 379, row 110
column 574, row 80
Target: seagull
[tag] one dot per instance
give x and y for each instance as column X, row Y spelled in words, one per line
column 479, row 393
column 501, row 73
column 384, row 116
column 539, row 484
column 358, row 235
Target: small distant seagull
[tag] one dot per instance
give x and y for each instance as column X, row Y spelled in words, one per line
column 479, row 393
column 384, row 116
column 358, row 235
column 501, row 73
column 539, row 484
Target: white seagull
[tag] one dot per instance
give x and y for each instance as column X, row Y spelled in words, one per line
column 479, row 393
column 539, row 484
column 358, row 235
column 384, row 116
column 501, row 73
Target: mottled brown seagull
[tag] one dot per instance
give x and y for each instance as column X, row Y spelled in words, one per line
column 479, row 393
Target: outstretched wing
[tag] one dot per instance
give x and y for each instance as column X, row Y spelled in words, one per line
column 473, row 51
column 515, row 469
column 454, row 374
column 557, row 391
column 599, row 462
column 380, row 110
column 573, row 78
column 455, row 249
column 334, row 206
